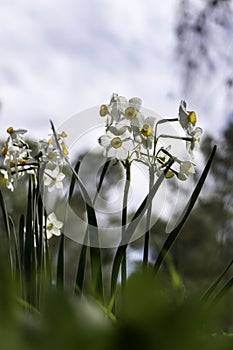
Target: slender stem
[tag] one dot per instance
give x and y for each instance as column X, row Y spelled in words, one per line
column 148, row 221
column 124, row 220
column 175, row 137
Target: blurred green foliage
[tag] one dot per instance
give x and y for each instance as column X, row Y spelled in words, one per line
column 149, row 316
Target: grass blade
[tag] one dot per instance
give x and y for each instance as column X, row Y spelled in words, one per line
column 96, row 266
column 223, row 291
column 175, row 232
column 60, row 263
column 79, row 282
column 7, row 228
column 212, row 288
column 131, row 229
column 29, row 251
column 5, row 215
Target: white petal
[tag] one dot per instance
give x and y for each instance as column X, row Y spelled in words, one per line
column 60, row 177
column 135, row 102
column 121, row 154
column 105, row 141
column 55, row 231
column 51, row 217
column 59, row 185
column 128, row 145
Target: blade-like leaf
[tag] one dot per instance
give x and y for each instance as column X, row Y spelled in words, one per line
column 175, row 232
column 21, row 239
column 96, row 266
column 131, row 229
column 82, row 259
column 223, row 291
column 81, row 270
column 212, row 288
column 29, row 251
column 15, row 244
column 5, row 215
column 60, row 263
column 72, row 182
column 103, row 173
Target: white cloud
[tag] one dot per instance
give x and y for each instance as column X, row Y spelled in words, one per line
column 60, row 57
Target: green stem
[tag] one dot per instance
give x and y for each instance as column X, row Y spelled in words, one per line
column 124, row 221
column 148, row 222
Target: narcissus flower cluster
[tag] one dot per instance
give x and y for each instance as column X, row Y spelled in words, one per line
column 45, row 165
column 19, row 159
column 132, row 136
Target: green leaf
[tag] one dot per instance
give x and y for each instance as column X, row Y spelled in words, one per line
column 212, row 288
column 60, row 263
column 73, row 181
column 103, row 173
column 5, row 215
column 223, row 291
column 15, row 245
column 21, row 239
column 81, row 270
column 7, row 228
column 131, row 229
column 79, row 283
column 96, row 266
column 175, row 232
column 29, row 251
column 95, row 254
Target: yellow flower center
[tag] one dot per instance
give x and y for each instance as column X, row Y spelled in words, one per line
column 103, row 110
column 51, row 155
column 130, row 113
column 4, row 150
column 147, row 130
column 192, row 117
column 116, row 142
column 169, row 174
column 22, row 161
column 10, row 130
column 63, row 134
column 12, row 164
column 64, row 148
column 4, row 180
column 50, row 226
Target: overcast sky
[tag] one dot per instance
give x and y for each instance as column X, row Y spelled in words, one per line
column 60, row 57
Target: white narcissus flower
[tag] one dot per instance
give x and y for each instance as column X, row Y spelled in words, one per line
column 117, row 142
column 187, row 119
column 53, row 179
column 114, row 110
column 120, row 108
column 15, row 134
column 54, row 150
column 194, row 142
column 186, row 168
column 144, row 134
column 7, row 179
column 15, row 154
column 135, row 102
column 53, row 226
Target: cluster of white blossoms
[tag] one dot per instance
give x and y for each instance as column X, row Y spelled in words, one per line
column 132, row 136
column 19, row 159
column 49, row 161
